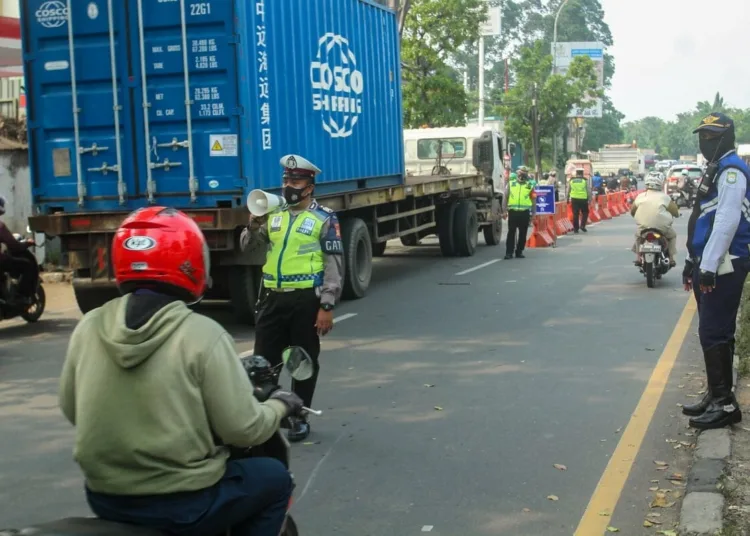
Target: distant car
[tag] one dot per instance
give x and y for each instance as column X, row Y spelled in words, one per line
column 674, row 176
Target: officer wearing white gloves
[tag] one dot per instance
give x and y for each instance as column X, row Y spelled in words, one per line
column 302, row 276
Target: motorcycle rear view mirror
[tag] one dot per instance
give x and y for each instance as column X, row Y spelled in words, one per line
column 298, row 363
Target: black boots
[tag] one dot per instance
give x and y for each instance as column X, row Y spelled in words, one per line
column 721, row 409
column 694, row 410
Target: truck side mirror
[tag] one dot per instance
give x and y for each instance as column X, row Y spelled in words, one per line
column 512, row 149
column 483, row 156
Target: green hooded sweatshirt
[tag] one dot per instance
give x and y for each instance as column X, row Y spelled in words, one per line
column 145, row 401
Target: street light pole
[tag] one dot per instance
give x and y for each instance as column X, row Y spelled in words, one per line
column 480, row 119
column 554, row 68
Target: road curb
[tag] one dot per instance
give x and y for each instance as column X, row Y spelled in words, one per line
column 56, row 277
column 702, row 511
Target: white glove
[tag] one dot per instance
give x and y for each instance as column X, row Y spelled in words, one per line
column 245, row 238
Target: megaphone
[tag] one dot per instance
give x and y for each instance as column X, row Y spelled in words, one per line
column 260, row 203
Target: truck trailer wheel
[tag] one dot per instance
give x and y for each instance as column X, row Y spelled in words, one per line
column 493, row 233
column 445, row 216
column 357, row 258
column 378, row 248
column 410, row 240
column 465, row 228
column 244, row 282
column 89, row 298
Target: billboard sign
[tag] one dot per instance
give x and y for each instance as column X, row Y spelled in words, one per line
column 565, row 53
column 491, row 27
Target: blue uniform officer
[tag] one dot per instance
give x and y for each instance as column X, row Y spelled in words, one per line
column 719, row 262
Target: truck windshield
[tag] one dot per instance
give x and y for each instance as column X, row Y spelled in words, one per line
column 452, row 148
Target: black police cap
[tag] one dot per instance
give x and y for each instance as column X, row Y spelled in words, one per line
column 715, row 122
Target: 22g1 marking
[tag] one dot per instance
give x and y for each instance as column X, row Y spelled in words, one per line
column 202, row 8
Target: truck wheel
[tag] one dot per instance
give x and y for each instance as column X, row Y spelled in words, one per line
column 244, row 282
column 445, row 216
column 89, row 298
column 357, row 258
column 465, row 228
column 378, row 248
column 410, row 240
column 493, row 233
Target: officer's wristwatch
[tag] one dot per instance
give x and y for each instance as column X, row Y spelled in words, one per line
column 326, row 307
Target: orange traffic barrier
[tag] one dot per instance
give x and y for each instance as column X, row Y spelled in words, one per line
column 604, row 207
column 594, row 216
column 540, row 236
column 561, row 220
column 614, row 204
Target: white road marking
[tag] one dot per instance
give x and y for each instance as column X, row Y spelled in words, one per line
column 317, row 468
column 484, row 265
column 600, row 259
column 343, row 317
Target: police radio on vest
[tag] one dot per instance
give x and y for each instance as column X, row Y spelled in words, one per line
column 260, row 203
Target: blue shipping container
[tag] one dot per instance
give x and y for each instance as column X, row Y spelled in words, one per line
column 192, row 104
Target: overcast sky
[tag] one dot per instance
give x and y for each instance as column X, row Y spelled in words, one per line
column 670, row 54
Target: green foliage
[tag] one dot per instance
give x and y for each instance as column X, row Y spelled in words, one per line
column 555, row 94
column 434, row 30
column 672, row 139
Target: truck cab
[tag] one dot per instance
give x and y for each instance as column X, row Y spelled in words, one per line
column 450, row 151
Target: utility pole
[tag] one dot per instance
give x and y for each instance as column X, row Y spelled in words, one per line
column 535, row 129
column 480, row 121
column 554, row 69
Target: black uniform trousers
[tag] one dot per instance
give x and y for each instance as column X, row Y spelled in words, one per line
column 580, row 213
column 518, row 221
column 288, row 319
column 717, row 310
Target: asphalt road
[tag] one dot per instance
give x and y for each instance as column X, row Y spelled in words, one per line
column 448, row 394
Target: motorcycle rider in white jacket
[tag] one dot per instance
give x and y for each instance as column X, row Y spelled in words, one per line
column 654, row 209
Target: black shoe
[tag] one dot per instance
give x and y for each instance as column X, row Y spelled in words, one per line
column 584, row 230
column 575, row 232
column 299, row 431
column 520, row 256
column 722, row 409
column 699, row 408
column 508, row 257
column 720, row 412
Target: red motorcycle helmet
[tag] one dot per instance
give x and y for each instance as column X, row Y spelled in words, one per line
column 164, row 250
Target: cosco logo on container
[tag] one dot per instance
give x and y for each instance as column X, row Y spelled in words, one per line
column 139, row 243
column 52, row 14
column 337, row 85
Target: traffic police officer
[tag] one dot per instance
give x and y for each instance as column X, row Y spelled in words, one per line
column 519, row 208
column 719, row 262
column 301, row 278
column 578, row 195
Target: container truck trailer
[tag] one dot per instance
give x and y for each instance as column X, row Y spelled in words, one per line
column 192, row 104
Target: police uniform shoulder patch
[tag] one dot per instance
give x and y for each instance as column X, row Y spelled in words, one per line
column 731, row 177
column 325, row 209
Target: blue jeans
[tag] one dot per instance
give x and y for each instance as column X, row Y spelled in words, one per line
column 717, row 310
column 251, row 499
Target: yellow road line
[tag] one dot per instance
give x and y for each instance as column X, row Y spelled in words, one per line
column 610, row 486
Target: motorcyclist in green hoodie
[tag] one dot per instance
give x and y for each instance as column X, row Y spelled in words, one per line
column 156, row 391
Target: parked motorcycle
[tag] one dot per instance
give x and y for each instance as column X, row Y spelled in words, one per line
column 11, row 305
column 653, row 248
column 265, row 379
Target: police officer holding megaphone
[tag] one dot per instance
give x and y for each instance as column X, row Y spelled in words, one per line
column 302, row 276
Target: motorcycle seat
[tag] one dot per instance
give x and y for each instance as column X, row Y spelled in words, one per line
column 82, row 526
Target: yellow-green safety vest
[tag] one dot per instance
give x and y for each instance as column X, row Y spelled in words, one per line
column 519, row 196
column 578, row 189
column 296, row 258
